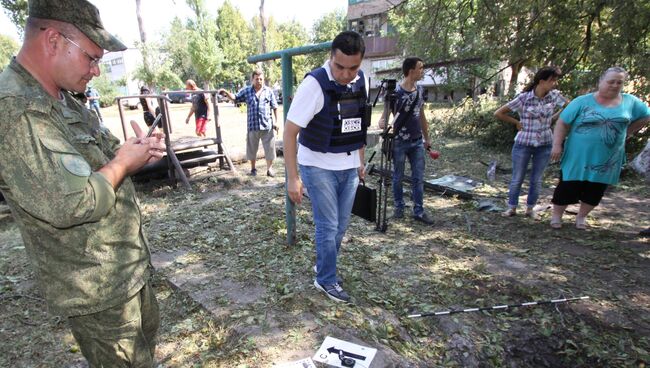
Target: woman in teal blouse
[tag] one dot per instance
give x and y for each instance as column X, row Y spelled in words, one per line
column 595, row 126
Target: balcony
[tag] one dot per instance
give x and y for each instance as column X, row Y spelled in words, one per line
column 380, row 46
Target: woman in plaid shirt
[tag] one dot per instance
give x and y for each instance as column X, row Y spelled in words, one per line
column 536, row 106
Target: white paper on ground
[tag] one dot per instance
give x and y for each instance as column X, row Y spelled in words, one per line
column 363, row 355
column 302, row 363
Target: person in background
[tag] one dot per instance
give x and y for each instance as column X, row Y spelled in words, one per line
column 411, row 130
column 260, row 101
column 67, row 183
column 595, row 126
column 150, row 108
column 201, row 108
column 93, row 101
column 538, row 106
column 328, row 111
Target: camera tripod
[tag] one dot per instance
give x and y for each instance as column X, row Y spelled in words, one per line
column 385, row 163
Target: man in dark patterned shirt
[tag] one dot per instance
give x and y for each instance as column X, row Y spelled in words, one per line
column 411, row 130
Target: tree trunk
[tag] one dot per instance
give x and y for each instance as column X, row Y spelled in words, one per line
column 516, row 68
column 143, row 35
column 263, row 25
column 143, row 38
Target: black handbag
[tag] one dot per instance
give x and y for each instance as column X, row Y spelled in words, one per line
column 365, row 203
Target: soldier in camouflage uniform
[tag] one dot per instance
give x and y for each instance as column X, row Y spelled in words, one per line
column 67, row 183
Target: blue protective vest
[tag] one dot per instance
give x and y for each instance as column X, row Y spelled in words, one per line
column 341, row 125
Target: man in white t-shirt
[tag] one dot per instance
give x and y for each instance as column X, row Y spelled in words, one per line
column 329, row 112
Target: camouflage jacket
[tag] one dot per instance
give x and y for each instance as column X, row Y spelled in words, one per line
column 84, row 239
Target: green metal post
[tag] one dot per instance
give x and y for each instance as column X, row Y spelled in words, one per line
column 287, row 83
column 291, row 52
column 287, row 95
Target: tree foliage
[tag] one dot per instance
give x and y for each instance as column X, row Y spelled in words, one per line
column 175, row 49
column 8, row 48
column 235, row 38
column 106, row 88
column 289, row 35
column 270, row 71
column 583, row 37
column 204, row 49
column 329, row 26
column 324, row 30
column 16, row 10
column 279, row 37
column 159, row 73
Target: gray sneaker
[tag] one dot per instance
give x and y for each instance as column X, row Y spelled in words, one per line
column 334, row 292
column 424, row 218
column 398, row 213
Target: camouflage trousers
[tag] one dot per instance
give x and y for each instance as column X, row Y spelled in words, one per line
column 122, row 336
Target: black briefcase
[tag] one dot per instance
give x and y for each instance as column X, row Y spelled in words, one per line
column 365, row 203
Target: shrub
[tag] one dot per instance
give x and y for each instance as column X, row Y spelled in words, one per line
column 107, row 90
column 475, row 119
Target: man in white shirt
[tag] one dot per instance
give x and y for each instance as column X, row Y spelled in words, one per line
column 329, row 111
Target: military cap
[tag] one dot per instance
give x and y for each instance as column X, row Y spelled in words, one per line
column 79, row 13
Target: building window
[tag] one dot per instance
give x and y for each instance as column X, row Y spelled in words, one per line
column 385, row 64
column 117, row 61
column 390, row 30
column 360, row 27
column 354, row 26
column 373, row 26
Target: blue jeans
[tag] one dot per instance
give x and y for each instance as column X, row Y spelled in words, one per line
column 414, row 150
column 331, row 193
column 95, row 106
column 521, row 155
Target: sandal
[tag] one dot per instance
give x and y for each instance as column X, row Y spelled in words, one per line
column 556, row 223
column 509, row 212
column 532, row 214
column 581, row 223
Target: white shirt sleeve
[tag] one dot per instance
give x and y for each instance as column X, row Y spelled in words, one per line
column 307, row 102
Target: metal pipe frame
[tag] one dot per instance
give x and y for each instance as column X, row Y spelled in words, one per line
column 287, row 95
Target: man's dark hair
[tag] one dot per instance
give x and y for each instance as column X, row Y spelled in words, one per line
column 349, row 43
column 409, row 64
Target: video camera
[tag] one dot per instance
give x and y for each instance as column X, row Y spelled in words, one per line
column 390, row 84
column 387, row 90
